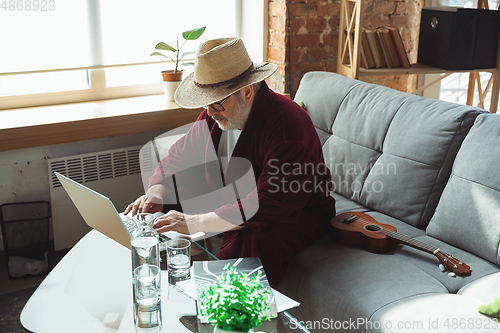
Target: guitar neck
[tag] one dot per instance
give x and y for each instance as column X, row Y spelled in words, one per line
column 412, row 242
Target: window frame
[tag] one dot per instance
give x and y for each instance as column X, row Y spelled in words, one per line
column 96, row 91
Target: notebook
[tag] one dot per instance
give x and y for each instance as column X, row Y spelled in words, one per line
column 99, row 212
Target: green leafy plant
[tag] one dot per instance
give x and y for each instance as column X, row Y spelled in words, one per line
column 236, row 303
column 178, row 57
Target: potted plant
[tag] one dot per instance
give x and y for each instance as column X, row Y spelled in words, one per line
column 236, row 303
column 172, row 78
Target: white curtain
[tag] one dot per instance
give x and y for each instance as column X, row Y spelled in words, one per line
column 85, row 33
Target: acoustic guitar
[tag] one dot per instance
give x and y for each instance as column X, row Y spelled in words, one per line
column 362, row 230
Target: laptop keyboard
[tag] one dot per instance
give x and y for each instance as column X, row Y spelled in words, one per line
column 129, row 223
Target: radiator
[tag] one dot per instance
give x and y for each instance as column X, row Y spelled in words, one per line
column 115, row 174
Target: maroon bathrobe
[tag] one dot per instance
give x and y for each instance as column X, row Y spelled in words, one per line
column 285, row 153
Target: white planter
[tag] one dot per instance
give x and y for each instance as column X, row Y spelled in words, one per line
column 169, row 89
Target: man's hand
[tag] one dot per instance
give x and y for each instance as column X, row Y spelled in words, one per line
column 177, row 221
column 191, row 224
column 151, row 202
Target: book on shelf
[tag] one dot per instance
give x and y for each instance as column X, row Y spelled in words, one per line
column 362, row 58
column 398, row 45
column 386, row 47
column 385, row 51
column 366, row 53
column 389, row 47
column 209, row 272
column 375, row 47
column 364, row 62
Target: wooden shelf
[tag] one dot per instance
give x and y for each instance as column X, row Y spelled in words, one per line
column 48, row 125
column 414, row 69
column 348, row 61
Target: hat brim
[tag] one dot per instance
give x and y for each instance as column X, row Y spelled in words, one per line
column 189, row 95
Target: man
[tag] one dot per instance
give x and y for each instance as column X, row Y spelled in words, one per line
column 288, row 207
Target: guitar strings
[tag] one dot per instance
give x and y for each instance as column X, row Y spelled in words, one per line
column 396, row 235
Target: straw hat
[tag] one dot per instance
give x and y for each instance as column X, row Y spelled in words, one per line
column 222, row 67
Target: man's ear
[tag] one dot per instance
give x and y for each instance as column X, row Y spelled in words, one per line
column 247, row 93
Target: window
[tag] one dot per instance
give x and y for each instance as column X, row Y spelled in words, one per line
column 32, row 38
column 83, row 50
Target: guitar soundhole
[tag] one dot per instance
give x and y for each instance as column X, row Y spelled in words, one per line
column 372, row 227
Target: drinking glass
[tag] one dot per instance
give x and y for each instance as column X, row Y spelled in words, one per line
column 178, row 256
column 147, row 302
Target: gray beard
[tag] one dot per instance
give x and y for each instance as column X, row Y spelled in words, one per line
column 239, row 118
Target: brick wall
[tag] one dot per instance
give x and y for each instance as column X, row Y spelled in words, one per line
column 277, row 50
column 303, row 37
column 404, row 15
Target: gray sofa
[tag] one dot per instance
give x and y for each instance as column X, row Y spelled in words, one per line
column 427, row 167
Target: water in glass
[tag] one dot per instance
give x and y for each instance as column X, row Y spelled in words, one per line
column 147, row 305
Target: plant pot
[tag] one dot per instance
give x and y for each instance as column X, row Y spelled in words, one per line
column 220, row 330
column 171, row 81
column 171, row 75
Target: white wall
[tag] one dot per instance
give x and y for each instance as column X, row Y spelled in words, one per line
column 24, row 172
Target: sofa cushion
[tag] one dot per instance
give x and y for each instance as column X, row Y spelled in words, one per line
column 321, row 92
column 389, row 151
column 430, row 264
column 341, row 283
column 468, row 213
column 343, row 204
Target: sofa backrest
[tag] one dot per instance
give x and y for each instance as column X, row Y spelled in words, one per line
column 468, row 213
column 388, row 150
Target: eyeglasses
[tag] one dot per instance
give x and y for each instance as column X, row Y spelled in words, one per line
column 217, row 106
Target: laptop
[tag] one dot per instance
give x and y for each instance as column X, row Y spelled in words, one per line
column 99, row 212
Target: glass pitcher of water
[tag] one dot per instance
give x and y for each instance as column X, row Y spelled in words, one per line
column 146, row 274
